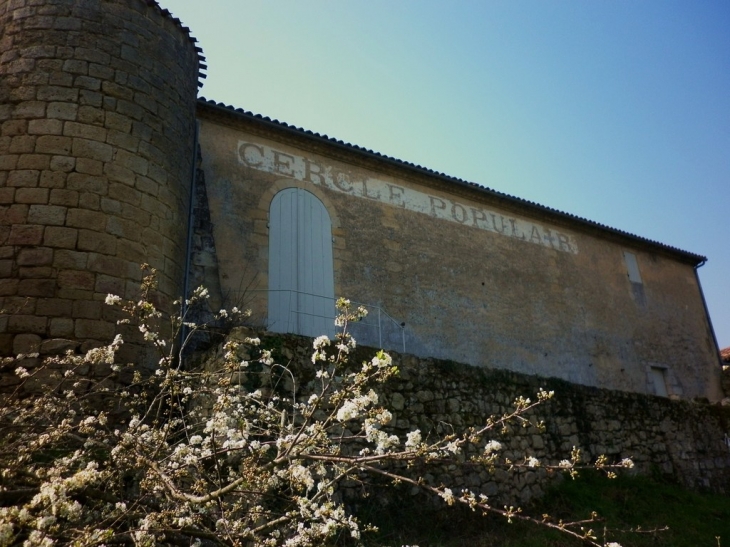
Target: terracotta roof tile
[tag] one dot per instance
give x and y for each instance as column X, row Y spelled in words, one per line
column 725, row 355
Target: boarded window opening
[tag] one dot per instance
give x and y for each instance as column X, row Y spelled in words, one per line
column 659, row 381
column 632, row 267
column 301, row 277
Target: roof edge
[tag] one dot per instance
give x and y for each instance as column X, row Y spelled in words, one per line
column 167, row 14
column 274, row 124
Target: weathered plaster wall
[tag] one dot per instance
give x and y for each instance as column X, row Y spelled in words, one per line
column 97, row 103
column 474, row 280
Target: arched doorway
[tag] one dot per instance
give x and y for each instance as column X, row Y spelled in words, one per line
column 301, row 278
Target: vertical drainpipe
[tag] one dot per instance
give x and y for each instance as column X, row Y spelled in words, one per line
column 707, row 314
column 189, row 247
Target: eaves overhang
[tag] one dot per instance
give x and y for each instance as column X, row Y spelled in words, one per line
column 375, row 160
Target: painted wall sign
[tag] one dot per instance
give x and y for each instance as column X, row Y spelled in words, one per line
column 270, row 160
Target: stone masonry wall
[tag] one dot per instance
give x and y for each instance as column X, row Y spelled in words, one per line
column 683, row 441
column 483, row 289
column 97, row 121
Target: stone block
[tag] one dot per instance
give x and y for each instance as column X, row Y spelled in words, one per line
column 6, row 350
column 76, row 279
column 89, row 167
column 123, row 228
column 37, row 287
column 26, row 343
column 124, row 141
column 87, row 183
column 64, row 164
column 52, row 215
column 93, row 56
column 119, row 173
column 58, row 346
column 54, row 307
column 8, row 287
column 148, row 186
column 31, row 195
column 87, row 309
column 94, row 329
column 107, row 284
column 61, row 326
column 109, row 206
column 83, row 130
column 52, row 179
column 37, row 256
column 135, row 214
column 100, row 71
column 22, row 144
column 88, row 97
column 131, row 109
column 89, row 201
column 97, row 242
column 87, row 82
column 7, row 195
column 29, row 109
column 63, row 111
column 118, row 122
column 109, row 265
column 10, row 161
column 63, row 258
column 34, row 161
column 92, row 149
column 62, row 79
column 35, row 272
column 131, row 161
column 132, row 251
column 26, row 92
column 37, row 52
column 83, row 218
column 76, row 66
column 50, row 144
column 68, row 198
column 117, row 91
column 45, row 127
column 12, row 128
column 64, row 238
column 57, row 93
column 91, row 115
column 125, row 194
column 27, row 178
column 25, row 234
column 27, row 324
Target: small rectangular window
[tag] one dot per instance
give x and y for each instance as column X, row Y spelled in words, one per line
column 659, row 381
column 632, row 267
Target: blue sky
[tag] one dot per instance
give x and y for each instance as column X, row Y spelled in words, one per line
column 616, row 111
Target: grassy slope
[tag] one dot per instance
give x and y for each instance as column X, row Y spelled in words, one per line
column 694, row 519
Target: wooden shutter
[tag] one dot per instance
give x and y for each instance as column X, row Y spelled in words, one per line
column 301, row 278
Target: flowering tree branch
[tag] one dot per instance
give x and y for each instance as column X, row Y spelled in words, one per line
column 104, row 453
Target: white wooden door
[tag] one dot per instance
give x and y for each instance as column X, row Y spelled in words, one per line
column 301, row 279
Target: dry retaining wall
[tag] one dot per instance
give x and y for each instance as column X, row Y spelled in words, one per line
column 682, row 441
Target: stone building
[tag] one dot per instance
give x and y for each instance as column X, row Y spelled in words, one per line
column 97, row 174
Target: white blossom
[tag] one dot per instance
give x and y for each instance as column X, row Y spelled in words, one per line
column 112, row 299
column 413, row 439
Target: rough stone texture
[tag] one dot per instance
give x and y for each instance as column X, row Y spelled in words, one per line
column 684, row 441
column 475, row 278
column 97, row 121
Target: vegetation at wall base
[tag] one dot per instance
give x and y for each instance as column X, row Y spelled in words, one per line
column 650, row 511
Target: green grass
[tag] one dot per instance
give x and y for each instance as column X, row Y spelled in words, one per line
column 627, row 503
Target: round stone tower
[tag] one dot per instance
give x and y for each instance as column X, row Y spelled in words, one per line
column 97, row 130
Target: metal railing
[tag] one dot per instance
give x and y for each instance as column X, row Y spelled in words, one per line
column 299, row 312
